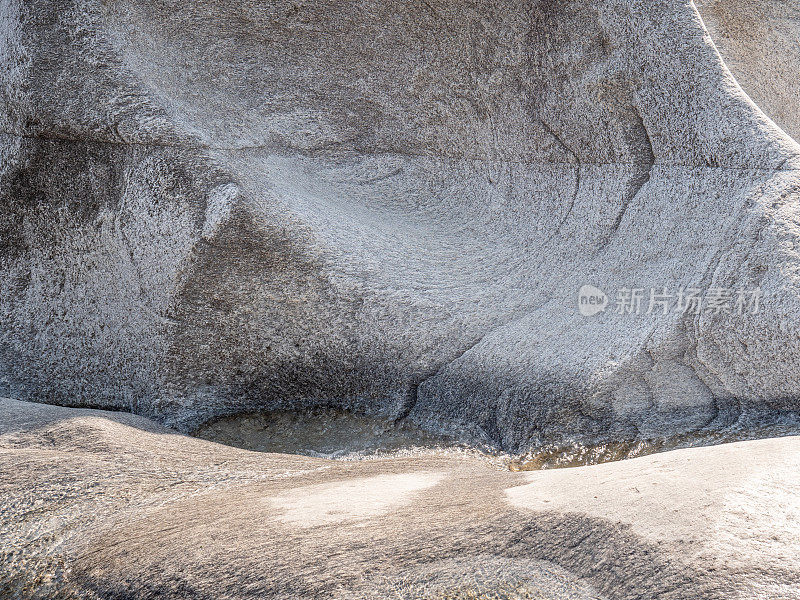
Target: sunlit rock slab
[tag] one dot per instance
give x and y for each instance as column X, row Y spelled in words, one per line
column 98, row 504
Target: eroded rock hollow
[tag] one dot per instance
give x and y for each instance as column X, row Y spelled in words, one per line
column 224, row 206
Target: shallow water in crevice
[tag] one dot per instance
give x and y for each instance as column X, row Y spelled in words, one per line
column 323, row 432
column 749, row 426
column 339, row 434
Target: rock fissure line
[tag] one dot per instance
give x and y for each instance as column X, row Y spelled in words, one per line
column 413, row 393
column 574, row 155
column 311, row 153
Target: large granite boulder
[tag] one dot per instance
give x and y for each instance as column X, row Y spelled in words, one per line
column 221, row 206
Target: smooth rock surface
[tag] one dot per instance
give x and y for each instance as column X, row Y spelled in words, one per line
column 108, row 505
column 225, row 206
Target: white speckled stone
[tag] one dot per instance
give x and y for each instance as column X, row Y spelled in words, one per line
column 229, row 205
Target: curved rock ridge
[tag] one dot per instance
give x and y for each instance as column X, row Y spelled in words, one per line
column 104, row 505
column 222, row 206
column 758, row 40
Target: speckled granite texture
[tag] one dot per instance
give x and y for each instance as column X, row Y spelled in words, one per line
column 221, row 206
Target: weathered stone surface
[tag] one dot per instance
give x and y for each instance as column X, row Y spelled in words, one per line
column 758, row 40
column 220, row 206
column 110, row 505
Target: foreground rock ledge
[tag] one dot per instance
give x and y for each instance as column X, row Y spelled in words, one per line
column 109, row 505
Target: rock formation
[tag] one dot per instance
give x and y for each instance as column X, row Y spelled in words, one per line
column 221, row 206
column 758, row 41
column 516, row 222
column 108, row 505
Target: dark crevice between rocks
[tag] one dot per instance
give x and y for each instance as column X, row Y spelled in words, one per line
column 340, row 434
